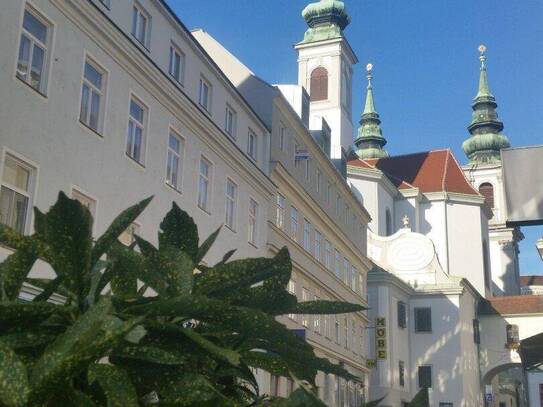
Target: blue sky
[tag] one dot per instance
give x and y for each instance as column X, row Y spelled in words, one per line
column 426, row 64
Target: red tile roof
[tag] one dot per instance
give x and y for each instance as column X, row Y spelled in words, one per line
column 430, row 171
column 531, row 280
column 517, row 304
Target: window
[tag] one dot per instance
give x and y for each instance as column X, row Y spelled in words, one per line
column 401, row 373
column 177, row 64
column 476, row 332
column 354, row 278
column 336, row 326
column 486, row 267
column 205, row 95
column 328, row 255
column 174, row 164
column 487, row 191
column 346, row 271
column 305, row 297
column 92, row 96
column 338, row 205
column 127, row 237
column 425, row 377
column 204, row 184
column 319, row 84
column 105, row 3
column 512, row 334
column 274, row 385
column 319, row 180
column 318, row 243
column 361, row 284
column 15, row 193
column 294, row 223
column 291, row 287
column 290, row 386
column 423, row 320
column 280, row 215
column 328, row 193
column 307, row 235
column 33, row 49
column 136, row 131
column 388, row 223
column 252, row 145
column 346, row 333
column 402, row 314
column 282, row 138
column 86, row 201
column 338, row 264
column 231, row 199
column 307, row 169
column 253, row 216
column 230, row 121
column 447, row 404
column 317, row 320
column 140, row 25
column 353, row 335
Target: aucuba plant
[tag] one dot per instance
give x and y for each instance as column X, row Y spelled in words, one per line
column 147, row 325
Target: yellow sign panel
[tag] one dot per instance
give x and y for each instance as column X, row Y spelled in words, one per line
column 381, row 338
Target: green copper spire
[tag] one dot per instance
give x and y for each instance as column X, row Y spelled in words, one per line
column 485, row 142
column 370, row 140
column 326, row 19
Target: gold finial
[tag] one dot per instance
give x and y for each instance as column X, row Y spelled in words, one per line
column 482, row 57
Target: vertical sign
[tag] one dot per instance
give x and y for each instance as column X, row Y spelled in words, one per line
column 380, row 338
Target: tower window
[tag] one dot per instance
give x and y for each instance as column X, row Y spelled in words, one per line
column 319, row 84
column 388, row 223
column 487, row 190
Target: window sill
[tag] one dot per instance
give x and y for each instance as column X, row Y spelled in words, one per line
column 84, row 125
column 141, row 44
column 135, row 161
column 231, row 229
column 39, row 92
column 253, row 244
column 173, row 188
column 206, row 111
column 204, row 210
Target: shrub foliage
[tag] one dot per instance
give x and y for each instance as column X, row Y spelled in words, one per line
column 146, row 325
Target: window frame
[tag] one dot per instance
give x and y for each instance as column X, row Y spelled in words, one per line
column 430, row 370
column 282, row 137
column 46, row 46
column 252, row 224
column 294, row 222
column 401, row 373
column 175, row 49
column 252, row 145
column 417, row 328
column 97, row 66
column 328, row 254
column 143, row 148
column 180, row 159
column 280, row 202
column 209, row 97
column 233, row 132
column 307, row 236
column 319, row 86
column 402, row 322
column 232, row 200
column 139, row 10
column 208, row 178
column 29, row 194
column 317, row 248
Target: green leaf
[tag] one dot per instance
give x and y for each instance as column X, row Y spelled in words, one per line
column 179, row 231
column 421, row 399
column 29, row 312
column 323, row 307
column 14, row 387
column 116, row 385
column 15, row 268
column 117, row 227
column 224, row 278
column 150, row 354
column 71, row 397
column 204, row 248
column 66, row 229
column 48, row 290
column 124, row 269
column 29, row 339
column 86, row 340
column 373, row 403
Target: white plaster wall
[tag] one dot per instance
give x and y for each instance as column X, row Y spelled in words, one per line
column 433, row 224
column 47, row 132
column 535, row 380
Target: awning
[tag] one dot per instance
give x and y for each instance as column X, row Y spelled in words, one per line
column 531, row 351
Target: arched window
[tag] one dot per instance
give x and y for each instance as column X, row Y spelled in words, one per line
column 388, row 222
column 319, row 84
column 486, row 266
column 487, row 190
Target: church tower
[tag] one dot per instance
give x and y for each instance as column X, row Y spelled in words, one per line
column 484, row 171
column 325, row 69
column 370, row 140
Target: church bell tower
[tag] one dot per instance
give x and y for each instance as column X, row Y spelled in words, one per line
column 325, row 70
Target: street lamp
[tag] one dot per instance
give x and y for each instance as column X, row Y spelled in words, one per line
column 539, row 245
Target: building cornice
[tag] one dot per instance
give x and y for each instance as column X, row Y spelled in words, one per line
column 340, row 40
column 372, row 174
column 108, row 36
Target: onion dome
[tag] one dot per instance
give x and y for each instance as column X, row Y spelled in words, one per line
column 326, row 20
column 486, row 139
column 370, row 140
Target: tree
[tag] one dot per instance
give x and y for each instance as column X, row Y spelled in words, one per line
column 421, row 399
column 147, row 325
